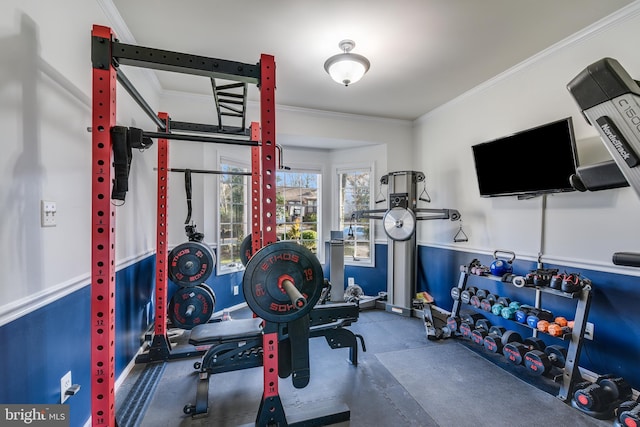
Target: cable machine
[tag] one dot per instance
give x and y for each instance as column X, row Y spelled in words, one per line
column 399, row 221
column 107, row 54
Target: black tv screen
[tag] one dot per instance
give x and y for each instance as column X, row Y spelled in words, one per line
column 534, row 161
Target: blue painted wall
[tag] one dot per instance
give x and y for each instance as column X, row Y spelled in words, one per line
column 40, row 347
column 614, row 306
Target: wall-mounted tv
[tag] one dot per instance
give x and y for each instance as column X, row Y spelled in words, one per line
column 530, row 162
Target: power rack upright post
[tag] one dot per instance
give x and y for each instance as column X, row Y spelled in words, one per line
column 107, row 54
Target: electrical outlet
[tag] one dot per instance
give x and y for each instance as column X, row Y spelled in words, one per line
column 588, row 331
column 65, row 384
column 236, row 289
column 47, row 213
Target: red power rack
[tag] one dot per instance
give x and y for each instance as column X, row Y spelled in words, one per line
column 263, row 155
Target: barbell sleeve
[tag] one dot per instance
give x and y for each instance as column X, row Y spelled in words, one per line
column 298, row 300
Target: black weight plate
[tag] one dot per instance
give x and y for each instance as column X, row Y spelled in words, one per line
column 265, row 271
column 208, row 289
column 557, row 354
column 190, row 263
column 191, row 306
column 246, row 250
column 511, row 336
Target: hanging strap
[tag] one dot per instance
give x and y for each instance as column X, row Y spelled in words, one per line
column 121, row 162
column 187, row 187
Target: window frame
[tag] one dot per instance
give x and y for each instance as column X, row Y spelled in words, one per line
column 236, row 163
column 338, row 171
column 316, row 170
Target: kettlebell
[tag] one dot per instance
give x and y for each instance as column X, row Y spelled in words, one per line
column 499, row 266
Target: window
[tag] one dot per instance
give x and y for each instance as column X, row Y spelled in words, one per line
column 354, row 195
column 233, row 219
column 297, row 202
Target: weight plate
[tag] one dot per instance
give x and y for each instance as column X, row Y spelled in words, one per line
column 190, row 263
column 399, row 223
column 537, row 362
column 191, row 306
column 246, row 250
column 267, row 274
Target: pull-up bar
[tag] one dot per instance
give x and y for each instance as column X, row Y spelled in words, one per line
column 209, row 171
column 199, row 138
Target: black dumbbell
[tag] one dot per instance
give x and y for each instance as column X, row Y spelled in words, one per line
column 515, row 351
column 465, row 296
column 487, row 302
column 493, row 341
column 480, row 294
column 455, row 293
column 481, row 331
column 599, row 396
column 540, row 362
column 468, row 322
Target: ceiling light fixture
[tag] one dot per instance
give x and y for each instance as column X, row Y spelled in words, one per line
column 346, row 68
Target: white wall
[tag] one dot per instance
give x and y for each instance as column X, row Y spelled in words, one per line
column 581, row 228
column 45, row 105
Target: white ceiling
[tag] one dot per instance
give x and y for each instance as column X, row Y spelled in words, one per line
column 423, row 53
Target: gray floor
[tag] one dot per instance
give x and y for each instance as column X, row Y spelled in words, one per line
column 402, row 379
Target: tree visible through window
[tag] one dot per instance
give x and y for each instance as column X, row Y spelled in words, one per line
column 232, row 215
column 355, row 196
column 297, row 206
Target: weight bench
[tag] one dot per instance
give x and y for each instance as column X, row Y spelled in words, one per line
column 237, row 344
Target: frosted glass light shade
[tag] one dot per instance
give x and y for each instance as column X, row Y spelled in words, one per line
column 347, row 68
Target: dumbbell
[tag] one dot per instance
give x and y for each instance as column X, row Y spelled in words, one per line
column 515, row 351
column 479, row 295
column 522, row 313
column 481, row 330
column 455, row 293
column 468, row 322
column 599, row 396
column 540, row 362
column 465, row 295
column 498, row 337
column 453, row 323
column 510, row 311
column 535, row 315
column 628, row 413
column 488, row 302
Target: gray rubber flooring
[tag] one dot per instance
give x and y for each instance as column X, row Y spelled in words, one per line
column 402, row 379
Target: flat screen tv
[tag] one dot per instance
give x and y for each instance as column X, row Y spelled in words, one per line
column 535, row 161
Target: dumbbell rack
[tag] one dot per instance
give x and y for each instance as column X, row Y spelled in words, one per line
column 570, row 373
